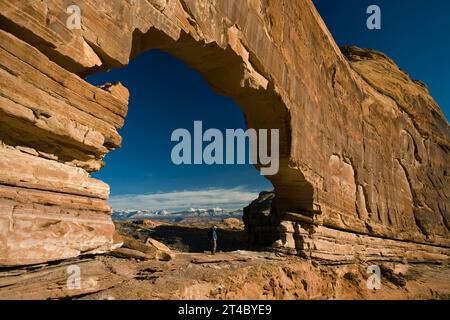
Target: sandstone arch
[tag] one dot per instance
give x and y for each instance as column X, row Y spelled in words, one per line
column 349, row 186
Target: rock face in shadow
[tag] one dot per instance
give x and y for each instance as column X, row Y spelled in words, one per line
column 364, row 149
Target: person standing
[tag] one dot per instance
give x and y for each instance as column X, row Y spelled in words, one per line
column 212, row 235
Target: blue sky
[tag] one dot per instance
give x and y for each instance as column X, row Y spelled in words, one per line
column 414, row 33
column 166, row 95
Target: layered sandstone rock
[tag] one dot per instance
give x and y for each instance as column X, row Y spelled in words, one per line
column 364, row 148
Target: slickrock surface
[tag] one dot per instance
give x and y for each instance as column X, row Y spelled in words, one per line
column 364, row 168
column 228, row 276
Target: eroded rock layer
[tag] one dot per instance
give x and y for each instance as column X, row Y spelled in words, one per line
column 364, row 154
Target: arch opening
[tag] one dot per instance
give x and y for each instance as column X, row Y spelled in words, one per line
column 249, row 87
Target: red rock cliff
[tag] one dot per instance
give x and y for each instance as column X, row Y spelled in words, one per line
column 364, row 148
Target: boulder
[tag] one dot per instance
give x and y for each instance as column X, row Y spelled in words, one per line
column 150, row 250
column 163, row 252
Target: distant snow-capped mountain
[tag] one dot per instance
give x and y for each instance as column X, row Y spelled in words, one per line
column 192, row 212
